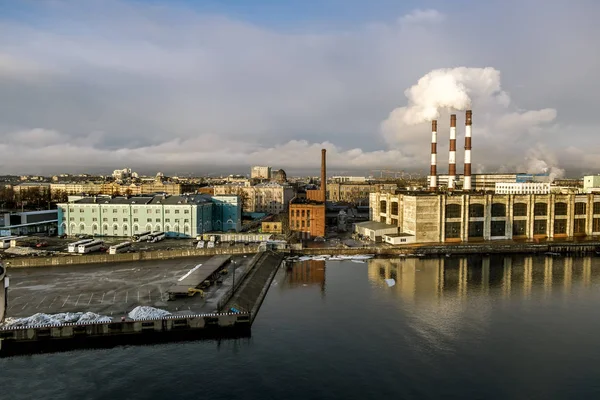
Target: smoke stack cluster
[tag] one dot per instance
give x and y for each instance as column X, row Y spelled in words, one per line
column 467, row 178
column 323, row 175
column 433, row 169
column 467, row 185
column 452, row 155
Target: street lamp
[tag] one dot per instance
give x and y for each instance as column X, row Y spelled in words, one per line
column 233, row 290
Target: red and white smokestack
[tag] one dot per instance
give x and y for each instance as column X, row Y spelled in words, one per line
column 433, row 170
column 452, row 155
column 468, row 121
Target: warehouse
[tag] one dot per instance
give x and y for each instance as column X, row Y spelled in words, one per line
column 374, row 230
column 177, row 216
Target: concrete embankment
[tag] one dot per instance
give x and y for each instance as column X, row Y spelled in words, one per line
column 125, row 257
column 462, row 249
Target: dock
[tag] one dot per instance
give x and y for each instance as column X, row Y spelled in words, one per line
column 208, row 273
column 115, row 289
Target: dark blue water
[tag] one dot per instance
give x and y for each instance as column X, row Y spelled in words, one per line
column 520, row 328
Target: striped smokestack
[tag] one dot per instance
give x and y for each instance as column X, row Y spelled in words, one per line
column 468, row 121
column 433, row 170
column 452, row 155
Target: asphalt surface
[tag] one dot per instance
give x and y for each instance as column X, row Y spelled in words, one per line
column 111, row 289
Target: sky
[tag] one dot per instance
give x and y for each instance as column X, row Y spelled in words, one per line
column 204, row 87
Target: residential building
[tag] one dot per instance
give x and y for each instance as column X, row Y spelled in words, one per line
column 356, row 193
column 343, row 179
column 260, row 172
column 178, row 216
column 269, row 197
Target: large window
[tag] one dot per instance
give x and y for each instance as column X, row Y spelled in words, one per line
column 498, row 228
column 476, row 211
column 452, row 230
column 519, row 210
column 383, row 206
column 520, row 228
column 394, row 208
column 540, row 209
column 560, row 209
column 498, row 210
column 475, row 229
column 596, row 225
column 539, row 227
column 597, row 207
column 452, row 211
column 579, row 225
column 560, row 226
column 580, row 208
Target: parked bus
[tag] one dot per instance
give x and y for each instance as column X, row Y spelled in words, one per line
column 18, row 241
column 74, row 247
column 92, row 246
column 156, row 237
column 119, row 248
column 140, row 237
column 5, row 242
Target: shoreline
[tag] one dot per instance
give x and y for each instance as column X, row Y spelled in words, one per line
column 434, row 249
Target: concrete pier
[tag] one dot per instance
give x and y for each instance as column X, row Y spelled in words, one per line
column 115, row 289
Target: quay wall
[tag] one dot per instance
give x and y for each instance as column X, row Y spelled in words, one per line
column 24, row 262
column 460, row 249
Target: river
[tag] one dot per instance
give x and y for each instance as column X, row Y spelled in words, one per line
column 491, row 328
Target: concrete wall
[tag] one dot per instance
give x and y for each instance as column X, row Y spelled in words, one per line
column 126, row 257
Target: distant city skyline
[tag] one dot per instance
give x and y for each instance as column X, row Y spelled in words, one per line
column 215, row 87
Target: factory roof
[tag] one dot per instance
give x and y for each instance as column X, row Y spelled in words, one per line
column 375, row 226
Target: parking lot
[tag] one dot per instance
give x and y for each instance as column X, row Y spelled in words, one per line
column 111, row 289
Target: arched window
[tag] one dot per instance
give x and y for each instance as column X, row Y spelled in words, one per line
column 383, row 206
column 452, row 210
column 498, row 210
column 476, row 210
column 580, row 208
column 560, row 209
column 82, row 228
column 519, row 210
column 540, row 209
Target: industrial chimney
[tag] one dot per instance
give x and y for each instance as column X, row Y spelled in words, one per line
column 433, row 170
column 323, row 176
column 452, row 155
column 468, row 121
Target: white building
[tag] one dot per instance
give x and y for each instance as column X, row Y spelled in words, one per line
column 591, row 183
column 120, row 174
column 522, row 188
column 342, row 179
column 259, row 172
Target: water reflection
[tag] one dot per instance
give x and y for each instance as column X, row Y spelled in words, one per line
column 307, row 273
column 461, row 277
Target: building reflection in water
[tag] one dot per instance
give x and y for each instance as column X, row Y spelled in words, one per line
column 418, row 278
column 306, row 273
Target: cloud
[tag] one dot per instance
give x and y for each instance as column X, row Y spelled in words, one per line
column 110, row 83
column 422, row 16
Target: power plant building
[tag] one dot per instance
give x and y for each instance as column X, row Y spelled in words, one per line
column 475, row 217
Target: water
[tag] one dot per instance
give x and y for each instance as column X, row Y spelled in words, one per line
column 514, row 328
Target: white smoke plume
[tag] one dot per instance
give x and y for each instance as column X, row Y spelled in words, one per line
column 448, row 89
column 541, row 161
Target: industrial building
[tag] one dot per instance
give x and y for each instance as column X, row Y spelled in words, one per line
column 307, row 215
column 523, row 188
column 177, row 216
column 438, row 217
column 356, row 193
column 29, row 223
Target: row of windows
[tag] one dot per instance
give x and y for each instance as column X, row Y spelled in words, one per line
column 519, row 228
column 303, row 224
column 126, row 220
column 301, row 213
column 383, row 207
column 519, row 209
column 125, row 210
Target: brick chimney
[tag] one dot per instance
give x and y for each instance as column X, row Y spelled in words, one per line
column 323, row 175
